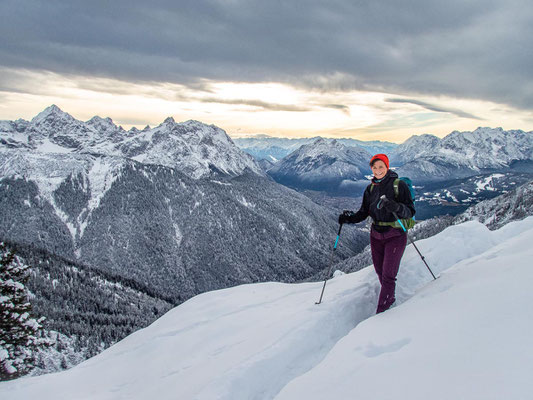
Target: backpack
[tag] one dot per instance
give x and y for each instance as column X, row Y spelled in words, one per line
column 406, row 223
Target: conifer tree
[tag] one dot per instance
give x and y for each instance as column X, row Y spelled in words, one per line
column 19, row 331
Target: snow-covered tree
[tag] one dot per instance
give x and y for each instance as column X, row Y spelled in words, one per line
column 19, row 331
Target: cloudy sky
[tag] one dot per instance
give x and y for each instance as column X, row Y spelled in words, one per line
column 382, row 69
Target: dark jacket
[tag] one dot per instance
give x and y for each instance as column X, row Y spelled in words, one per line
column 372, row 197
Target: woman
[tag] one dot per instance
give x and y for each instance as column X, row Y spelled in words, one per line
column 387, row 241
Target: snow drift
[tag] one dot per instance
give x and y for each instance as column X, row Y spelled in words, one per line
column 465, row 335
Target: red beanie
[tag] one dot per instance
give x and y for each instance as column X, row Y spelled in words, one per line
column 381, row 157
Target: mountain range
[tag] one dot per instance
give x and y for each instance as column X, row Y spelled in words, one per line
column 191, row 147
column 463, row 154
column 322, row 165
column 165, row 212
column 449, row 174
column 179, row 205
column 426, row 157
column 275, row 148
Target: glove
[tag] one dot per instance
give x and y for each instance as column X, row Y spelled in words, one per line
column 345, row 217
column 390, row 205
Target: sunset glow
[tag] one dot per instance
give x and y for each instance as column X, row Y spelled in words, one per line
column 245, row 109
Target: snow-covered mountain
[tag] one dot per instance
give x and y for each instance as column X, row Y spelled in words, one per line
column 274, row 148
column 413, row 148
column 265, row 164
column 454, row 196
column 160, row 227
column 462, row 154
column 270, row 148
column 499, row 211
column 461, row 336
column 174, row 210
column 192, row 147
column 322, row 165
column 177, row 207
column 169, row 212
column 55, row 131
column 450, row 174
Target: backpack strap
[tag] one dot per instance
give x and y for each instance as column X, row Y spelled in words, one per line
column 396, row 185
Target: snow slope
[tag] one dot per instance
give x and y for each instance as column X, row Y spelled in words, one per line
column 464, row 336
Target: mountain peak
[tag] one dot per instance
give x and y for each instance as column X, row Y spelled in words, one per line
column 322, row 146
column 327, row 143
column 102, row 123
column 485, row 129
column 53, row 109
column 98, row 119
column 197, row 124
column 195, row 148
column 320, row 140
column 322, row 163
column 51, row 112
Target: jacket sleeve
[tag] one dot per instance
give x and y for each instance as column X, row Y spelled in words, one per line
column 407, row 206
column 362, row 214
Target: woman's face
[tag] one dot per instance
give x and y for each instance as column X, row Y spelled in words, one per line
column 379, row 169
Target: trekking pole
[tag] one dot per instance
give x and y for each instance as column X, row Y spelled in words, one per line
column 413, row 243
column 330, row 264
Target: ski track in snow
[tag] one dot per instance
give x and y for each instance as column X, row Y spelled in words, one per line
column 478, row 351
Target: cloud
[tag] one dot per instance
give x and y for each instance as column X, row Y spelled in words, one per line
column 256, row 103
column 340, row 107
column 273, row 106
column 476, row 49
column 431, row 107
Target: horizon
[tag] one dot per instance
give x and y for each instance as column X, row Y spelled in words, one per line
column 251, row 136
column 379, row 71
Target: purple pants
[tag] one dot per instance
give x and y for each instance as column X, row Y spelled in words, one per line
column 387, row 251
